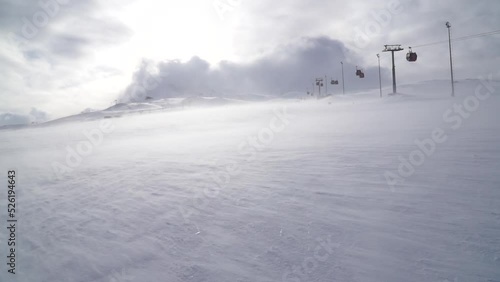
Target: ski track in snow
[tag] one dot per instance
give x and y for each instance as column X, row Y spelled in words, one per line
column 116, row 216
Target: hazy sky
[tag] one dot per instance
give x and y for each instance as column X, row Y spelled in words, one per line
column 60, row 57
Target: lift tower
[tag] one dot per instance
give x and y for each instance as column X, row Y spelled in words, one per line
column 392, row 49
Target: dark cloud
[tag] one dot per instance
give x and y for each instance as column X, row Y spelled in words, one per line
column 81, row 28
column 289, row 68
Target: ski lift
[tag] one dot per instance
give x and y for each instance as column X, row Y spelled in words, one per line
column 360, row 73
column 335, row 82
column 411, row 56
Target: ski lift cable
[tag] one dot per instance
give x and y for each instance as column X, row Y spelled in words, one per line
column 476, row 36
column 472, row 36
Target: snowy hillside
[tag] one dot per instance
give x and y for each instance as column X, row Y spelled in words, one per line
column 149, row 106
column 346, row 188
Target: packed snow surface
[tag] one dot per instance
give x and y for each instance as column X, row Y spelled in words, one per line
column 284, row 190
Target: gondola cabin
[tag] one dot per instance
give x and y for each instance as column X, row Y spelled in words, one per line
column 411, row 56
column 359, row 73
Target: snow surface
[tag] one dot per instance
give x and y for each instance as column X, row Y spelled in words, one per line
column 311, row 205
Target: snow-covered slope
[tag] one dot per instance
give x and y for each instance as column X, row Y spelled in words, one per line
column 287, row 190
column 134, row 108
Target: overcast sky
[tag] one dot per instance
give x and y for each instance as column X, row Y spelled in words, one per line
column 71, row 55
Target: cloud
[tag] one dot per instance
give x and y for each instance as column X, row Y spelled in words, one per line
column 38, row 116
column 35, row 116
column 63, row 32
column 13, row 119
column 262, row 25
column 290, row 67
column 50, row 53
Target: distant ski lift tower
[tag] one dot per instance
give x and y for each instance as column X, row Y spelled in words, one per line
column 319, row 83
column 326, row 86
column 343, row 84
column 392, row 49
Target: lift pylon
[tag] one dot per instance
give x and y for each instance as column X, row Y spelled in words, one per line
column 392, row 49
